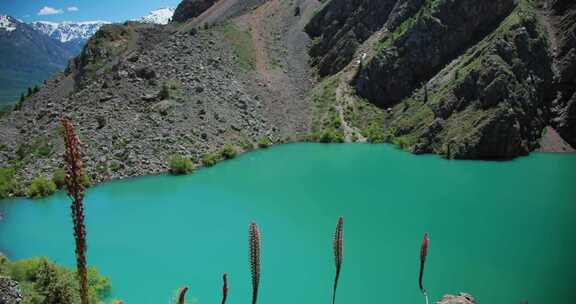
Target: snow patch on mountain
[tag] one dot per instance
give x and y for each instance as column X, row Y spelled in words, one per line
column 69, row 31
column 159, row 16
column 7, row 23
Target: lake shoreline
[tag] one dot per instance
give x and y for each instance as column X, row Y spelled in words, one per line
column 22, row 192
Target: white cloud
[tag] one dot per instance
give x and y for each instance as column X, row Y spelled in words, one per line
column 72, row 9
column 49, row 11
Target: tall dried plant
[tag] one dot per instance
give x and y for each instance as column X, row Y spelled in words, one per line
column 224, row 288
column 423, row 254
column 74, row 182
column 338, row 245
column 182, row 295
column 255, row 244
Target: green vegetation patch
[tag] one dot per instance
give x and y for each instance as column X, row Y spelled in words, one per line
column 180, row 165
column 45, row 282
column 7, row 182
column 242, row 45
column 264, row 142
column 210, row 159
column 59, row 178
column 41, row 187
column 228, row 152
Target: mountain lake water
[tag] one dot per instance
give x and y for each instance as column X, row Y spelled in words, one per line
column 501, row 231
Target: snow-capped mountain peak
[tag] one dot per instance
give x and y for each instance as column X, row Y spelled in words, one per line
column 7, row 23
column 159, row 16
column 69, row 31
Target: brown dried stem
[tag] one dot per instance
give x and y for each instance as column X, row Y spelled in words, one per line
column 338, row 253
column 224, row 288
column 423, row 254
column 76, row 189
column 182, row 295
column 254, row 233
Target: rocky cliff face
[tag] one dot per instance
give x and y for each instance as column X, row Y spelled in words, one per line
column 341, row 26
column 416, row 49
column 465, row 79
column 561, row 14
column 189, row 9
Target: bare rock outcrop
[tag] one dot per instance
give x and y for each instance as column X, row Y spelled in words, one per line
column 10, row 292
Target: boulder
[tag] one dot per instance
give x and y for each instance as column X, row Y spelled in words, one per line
column 10, row 292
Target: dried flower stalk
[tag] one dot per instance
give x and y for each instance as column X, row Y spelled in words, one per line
column 182, row 295
column 254, row 233
column 423, row 254
column 338, row 245
column 76, row 189
column 224, row 288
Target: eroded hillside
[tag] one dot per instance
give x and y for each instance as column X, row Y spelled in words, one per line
column 140, row 93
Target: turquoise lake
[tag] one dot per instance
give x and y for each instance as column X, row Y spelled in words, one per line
column 502, row 231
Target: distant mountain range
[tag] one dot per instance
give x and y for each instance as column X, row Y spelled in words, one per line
column 159, row 16
column 32, row 52
column 72, row 34
column 27, row 57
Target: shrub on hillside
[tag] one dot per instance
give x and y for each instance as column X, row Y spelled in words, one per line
column 209, row 159
column 180, row 165
column 228, row 152
column 264, row 142
column 7, row 181
column 41, row 187
column 246, row 145
column 59, row 178
column 331, row 136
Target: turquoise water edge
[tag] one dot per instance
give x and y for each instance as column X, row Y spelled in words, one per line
column 502, row 231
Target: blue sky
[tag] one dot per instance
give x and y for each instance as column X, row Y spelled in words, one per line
column 81, row 10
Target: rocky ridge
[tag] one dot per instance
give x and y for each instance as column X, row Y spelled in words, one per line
column 464, row 79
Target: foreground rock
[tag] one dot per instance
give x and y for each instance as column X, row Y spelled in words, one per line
column 463, row 298
column 10, row 292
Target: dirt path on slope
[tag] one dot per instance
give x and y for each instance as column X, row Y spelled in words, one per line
column 259, row 39
column 544, row 15
column 282, row 73
column 345, row 95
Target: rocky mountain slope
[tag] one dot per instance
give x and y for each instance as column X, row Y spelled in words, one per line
column 465, row 79
column 142, row 92
column 38, row 58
